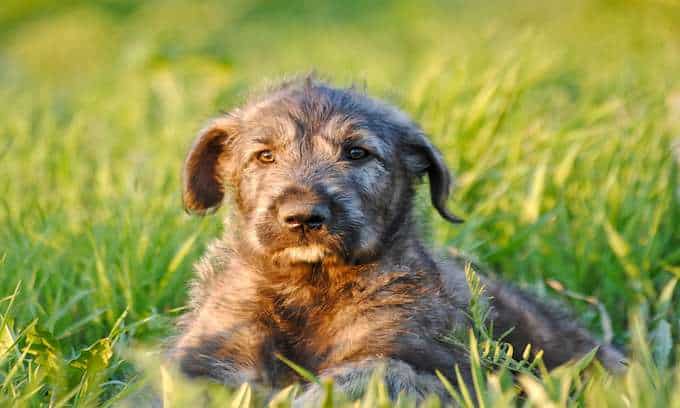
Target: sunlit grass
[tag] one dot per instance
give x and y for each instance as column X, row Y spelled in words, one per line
column 558, row 120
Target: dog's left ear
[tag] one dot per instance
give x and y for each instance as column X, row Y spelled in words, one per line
column 202, row 173
column 423, row 158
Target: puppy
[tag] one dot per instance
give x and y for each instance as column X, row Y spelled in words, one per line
column 321, row 260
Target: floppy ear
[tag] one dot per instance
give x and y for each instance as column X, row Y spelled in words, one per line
column 424, row 158
column 202, row 174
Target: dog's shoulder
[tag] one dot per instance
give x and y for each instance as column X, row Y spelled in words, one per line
column 219, row 271
column 451, row 271
column 432, row 268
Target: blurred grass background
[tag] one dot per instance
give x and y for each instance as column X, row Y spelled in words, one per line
column 559, row 119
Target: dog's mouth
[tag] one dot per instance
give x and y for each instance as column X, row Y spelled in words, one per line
column 326, row 249
column 328, row 244
column 312, row 253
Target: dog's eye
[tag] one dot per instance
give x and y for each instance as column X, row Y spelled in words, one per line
column 265, row 156
column 357, row 153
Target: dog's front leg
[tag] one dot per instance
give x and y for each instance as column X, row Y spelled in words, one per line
column 351, row 379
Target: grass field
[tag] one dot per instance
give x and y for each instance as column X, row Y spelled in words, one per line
column 559, row 119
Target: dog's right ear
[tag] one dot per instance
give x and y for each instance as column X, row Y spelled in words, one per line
column 203, row 173
column 424, row 158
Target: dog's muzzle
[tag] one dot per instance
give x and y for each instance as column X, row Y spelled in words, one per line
column 303, row 216
column 301, row 211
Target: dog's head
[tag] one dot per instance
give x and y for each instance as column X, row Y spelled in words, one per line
column 316, row 173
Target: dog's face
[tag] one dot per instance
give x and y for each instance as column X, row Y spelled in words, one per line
column 317, row 174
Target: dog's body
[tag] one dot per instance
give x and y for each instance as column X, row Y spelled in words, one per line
column 321, row 261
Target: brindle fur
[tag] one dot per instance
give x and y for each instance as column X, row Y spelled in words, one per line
column 358, row 293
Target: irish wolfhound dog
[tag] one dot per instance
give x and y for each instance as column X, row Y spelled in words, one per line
column 321, row 260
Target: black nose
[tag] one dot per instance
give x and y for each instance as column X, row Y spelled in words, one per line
column 303, row 215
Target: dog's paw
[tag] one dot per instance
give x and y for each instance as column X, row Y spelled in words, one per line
column 313, row 396
column 612, row 359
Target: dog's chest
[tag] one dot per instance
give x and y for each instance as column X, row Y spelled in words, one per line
column 319, row 326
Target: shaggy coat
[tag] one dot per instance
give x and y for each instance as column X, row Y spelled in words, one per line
column 321, row 261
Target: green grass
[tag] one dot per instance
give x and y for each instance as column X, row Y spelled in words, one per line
column 559, row 120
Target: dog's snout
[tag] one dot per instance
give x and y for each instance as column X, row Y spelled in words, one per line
column 303, row 214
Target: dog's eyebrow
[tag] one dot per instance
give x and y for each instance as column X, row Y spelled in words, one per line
column 353, row 137
column 268, row 135
column 264, row 139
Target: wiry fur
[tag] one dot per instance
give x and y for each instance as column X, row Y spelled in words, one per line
column 358, row 293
